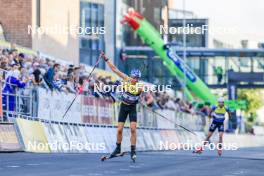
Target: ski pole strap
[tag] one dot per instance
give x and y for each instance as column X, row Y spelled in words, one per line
column 160, row 115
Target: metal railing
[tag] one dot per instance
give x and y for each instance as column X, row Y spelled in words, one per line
column 27, row 101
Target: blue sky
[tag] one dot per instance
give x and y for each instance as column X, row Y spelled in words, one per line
column 244, row 19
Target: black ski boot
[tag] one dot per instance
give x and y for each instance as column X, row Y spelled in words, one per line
column 117, row 150
column 133, row 153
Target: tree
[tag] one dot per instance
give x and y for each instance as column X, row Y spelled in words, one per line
column 254, row 100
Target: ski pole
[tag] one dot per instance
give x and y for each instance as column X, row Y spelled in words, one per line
column 97, row 62
column 160, row 115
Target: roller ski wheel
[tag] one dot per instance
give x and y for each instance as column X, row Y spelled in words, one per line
column 198, row 151
column 220, row 152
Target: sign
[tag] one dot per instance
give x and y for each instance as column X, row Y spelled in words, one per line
column 53, row 105
column 96, row 110
column 33, row 136
column 8, row 138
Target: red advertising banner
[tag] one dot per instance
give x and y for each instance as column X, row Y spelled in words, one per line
column 105, row 109
column 8, row 138
column 96, row 110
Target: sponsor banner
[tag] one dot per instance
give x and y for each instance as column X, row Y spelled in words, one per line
column 241, row 140
column 73, row 133
column 56, row 138
column 126, row 139
column 33, row 135
column 97, row 111
column 105, row 111
column 141, row 146
column 89, row 110
column 156, row 139
column 109, row 138
column 173, row 139
column 163, row 123
column 148, row 140
column 146, row 118
column 96, row 140
column 166, row 138
column 8, row 138
column 192, row 122
column 52, row 106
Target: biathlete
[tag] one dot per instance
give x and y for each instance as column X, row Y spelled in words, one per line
column 130, row 97
column 218, row 114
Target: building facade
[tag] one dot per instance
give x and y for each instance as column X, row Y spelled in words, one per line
column 72, row 30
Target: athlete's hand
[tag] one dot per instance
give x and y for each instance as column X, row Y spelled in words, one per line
column 103, row 56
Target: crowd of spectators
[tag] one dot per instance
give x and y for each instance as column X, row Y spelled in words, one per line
column 162, row 100
column 30, row 70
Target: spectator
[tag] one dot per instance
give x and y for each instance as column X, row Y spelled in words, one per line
column 219, row 74
column 11, row 83
column 49, row 75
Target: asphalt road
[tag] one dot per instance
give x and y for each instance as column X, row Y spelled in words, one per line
column 249, row 161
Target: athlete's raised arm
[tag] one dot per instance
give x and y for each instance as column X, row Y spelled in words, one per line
column 114, row 68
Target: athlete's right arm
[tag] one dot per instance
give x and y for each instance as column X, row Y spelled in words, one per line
column 114, row 68
column 211, row 111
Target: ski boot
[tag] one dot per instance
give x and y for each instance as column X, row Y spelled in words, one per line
column 133, row 156
column 116, row 152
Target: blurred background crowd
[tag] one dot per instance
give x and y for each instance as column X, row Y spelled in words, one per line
column 19, row 70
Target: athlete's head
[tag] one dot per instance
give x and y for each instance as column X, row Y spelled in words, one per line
column 221, row 101
column 135, row 74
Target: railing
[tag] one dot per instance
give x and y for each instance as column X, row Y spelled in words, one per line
column 39, row 103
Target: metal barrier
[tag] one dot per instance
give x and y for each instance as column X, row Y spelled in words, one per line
column 19, row 103
column 30, row 103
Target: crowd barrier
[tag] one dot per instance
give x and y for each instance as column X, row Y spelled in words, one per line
column 42, row 136
column 241, row 140
column 8, row 138
column 61, row 137
column 92, row 110
column 33, row 134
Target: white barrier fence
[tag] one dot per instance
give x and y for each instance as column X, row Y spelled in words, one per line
column 91, row 110
column 45, row 136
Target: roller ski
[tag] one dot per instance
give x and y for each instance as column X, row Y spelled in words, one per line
column 107, row 157
column 220, row 150
column 198, row 150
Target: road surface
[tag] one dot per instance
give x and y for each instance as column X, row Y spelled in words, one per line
column 249, row 161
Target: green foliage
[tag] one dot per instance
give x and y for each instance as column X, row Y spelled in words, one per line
column 254, row 100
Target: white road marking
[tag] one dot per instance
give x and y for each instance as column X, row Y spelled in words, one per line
column 13, row 166
column 32, row 164
column 124, row 169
